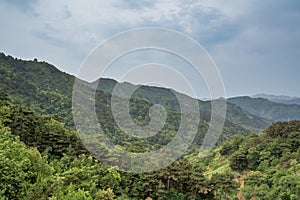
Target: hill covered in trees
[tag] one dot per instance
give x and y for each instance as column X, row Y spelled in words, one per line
column 46, row 90
column 42, row 156
column 42, row 159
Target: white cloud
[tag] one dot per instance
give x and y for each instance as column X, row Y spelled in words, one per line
column 238, row 34
column 76, row 27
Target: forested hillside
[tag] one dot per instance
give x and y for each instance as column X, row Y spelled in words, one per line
column 46, row 90
column 41, row 159
column 42, row 156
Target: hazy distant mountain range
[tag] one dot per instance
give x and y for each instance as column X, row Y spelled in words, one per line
column 267, row 109
column 279, row 98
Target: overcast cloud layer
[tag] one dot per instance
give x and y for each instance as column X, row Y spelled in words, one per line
column 256, row 44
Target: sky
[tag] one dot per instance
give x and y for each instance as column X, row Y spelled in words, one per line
column 255, row 44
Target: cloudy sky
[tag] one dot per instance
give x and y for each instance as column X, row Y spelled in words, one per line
column 255, row 44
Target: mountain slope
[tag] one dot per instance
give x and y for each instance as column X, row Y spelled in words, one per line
column 168, row 98
column 45, row 89
column 262, row 166
column 266, row 109
column 266, row 164
column 38, row 85
column 279, row 98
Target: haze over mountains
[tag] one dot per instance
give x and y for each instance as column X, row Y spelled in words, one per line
column 279, row 98
column 267, row 109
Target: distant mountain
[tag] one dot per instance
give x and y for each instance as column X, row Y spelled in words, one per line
column 267, row 109
column 290, row 102
column 279, row 98
column 271, row 96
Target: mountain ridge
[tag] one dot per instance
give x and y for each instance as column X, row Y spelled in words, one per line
column 279, row 98
column 267, row 109
column 47, row 90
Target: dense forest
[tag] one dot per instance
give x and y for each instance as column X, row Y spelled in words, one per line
column 42, row 157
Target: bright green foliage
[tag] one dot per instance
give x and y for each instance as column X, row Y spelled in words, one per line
column 43, row 132
column 21, row 167
column 272, row 159
column 71, row 194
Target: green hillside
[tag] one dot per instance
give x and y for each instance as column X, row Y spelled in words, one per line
column 42, row 159
column 267, row 109
column 42, row 156
column 46, row 90
column 167, row 98
column 38, row 85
